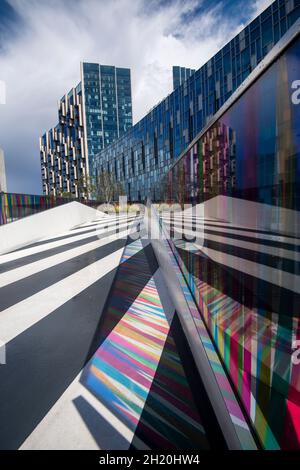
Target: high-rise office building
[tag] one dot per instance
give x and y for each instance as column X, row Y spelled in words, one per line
column 91, row 116
column 3, row 187
column 142, row 156
column 180, row 74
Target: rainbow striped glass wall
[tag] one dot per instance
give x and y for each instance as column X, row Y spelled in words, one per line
column 16, row 206
column 240, row 251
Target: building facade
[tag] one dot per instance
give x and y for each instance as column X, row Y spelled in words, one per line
column 3, row 186
column 142, row 156
column 180, row 74
column 91, row 116
column 242, row 177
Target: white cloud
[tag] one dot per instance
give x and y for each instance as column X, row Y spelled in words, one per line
column 41, row 63
column 259, row 6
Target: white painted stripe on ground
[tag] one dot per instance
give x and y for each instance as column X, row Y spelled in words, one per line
column 81, row 230
column 104, row 220
column 64, row 428
column 17, row 318
column 47, row 246
column 106, row 223
column 22, row 272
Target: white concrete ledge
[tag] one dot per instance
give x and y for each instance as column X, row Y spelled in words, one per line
column 44, row 224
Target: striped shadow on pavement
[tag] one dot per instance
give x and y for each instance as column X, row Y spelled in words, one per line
column 50, row 336
column 15, row 260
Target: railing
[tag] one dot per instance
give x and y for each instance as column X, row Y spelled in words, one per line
column 16, row 206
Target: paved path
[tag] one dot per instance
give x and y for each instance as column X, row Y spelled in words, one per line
column 96, row 358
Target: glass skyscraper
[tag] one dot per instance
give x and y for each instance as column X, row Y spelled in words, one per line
column 142, row 156
column 91, row 116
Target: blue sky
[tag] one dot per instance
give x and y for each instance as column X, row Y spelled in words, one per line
column 43, row 41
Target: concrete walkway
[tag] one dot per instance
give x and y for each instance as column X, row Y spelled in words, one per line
column 96, row 358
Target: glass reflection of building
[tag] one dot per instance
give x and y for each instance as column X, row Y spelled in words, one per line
column 180, row 74
column 246, row 275
column 91, row 116
column 142, row 156
column 218, row 160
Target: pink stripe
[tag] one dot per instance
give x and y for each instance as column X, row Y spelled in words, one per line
column 145, row 335
column 128, row 370
column 137, row 318
column 114, row 338
column 246, row 385
column 125, row 412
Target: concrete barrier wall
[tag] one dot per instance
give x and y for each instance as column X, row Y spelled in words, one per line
column 47, row 223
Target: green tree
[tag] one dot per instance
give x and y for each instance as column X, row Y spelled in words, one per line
column 107, row 188
column 66, row 194
column 86, row 187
